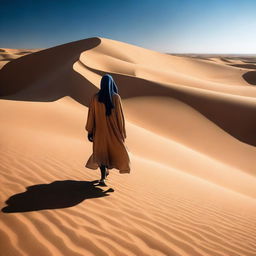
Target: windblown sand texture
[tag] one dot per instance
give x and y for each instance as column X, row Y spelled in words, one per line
column 190, row 124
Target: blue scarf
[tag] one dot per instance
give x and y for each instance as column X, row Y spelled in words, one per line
column 107, row 89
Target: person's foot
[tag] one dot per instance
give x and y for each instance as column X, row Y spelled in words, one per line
column 102, row 183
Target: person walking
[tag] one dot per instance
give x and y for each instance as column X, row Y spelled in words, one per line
column 106, row 130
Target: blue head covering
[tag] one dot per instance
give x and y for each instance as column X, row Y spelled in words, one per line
column 107, row 89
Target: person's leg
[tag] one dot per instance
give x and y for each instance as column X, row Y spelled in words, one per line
column 103, row 172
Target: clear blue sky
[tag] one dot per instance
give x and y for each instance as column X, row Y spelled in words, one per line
column 176, row 26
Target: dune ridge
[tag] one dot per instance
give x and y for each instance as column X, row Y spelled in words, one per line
column 190, row 134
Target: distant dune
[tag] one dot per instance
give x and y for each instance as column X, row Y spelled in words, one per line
column 190, row 122
column 7, row 55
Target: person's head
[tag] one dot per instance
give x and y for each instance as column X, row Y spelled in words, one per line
column 107, row 89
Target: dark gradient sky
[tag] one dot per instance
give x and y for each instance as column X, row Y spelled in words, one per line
column 177, row 26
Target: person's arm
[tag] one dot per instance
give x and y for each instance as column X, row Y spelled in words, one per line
column 90, row 120
column 120, row 117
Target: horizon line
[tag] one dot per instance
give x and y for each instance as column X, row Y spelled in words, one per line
column 179, row 53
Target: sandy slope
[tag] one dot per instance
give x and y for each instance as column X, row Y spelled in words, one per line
column 190, row 125
column 7, row 54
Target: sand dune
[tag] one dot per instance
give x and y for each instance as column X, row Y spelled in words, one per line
column 190, row 133
column 7, row 54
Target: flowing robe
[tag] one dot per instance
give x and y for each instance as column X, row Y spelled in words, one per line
column 109, row 136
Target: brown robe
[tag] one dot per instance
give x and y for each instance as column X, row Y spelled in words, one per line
column 108, row 136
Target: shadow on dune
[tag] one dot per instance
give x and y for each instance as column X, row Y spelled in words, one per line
column 225, row 60
column 7, row 59
column 248, row 66
column 48, row 75
column 58, row 194
column 249, row 60
column 250, row 77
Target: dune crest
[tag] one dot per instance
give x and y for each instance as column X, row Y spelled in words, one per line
column 190, row 124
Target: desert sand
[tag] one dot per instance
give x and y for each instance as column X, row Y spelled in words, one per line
column 190, row 123
column 7, row 54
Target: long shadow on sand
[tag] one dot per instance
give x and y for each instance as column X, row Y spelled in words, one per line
column 58, row 194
